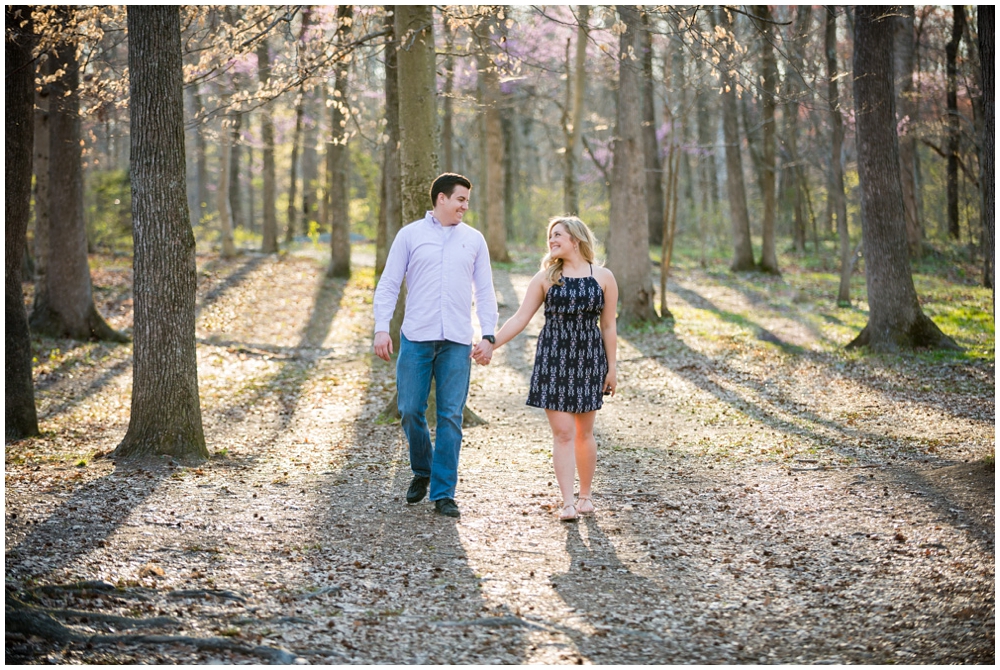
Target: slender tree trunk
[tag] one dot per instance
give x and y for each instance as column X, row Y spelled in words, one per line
column 20, row 417
column 293, row 178
column 417, row 108
column 905, row 54
column 837, row 199
column 43, row 224
column 493, row 185
column 269, row 241
column 65, row 303
column 986, row 26
column 769, row 252
column 895, row 318
column 707, row 170
column 339, row 160
column 236, row 210
column 628, row 246
column 742, row 246
column 166, row 411
column 447, row 103
column 576, row 84
column 222, row 200
column 310, row 176
column 390, row 213
column 651, row 146
column 954, row 124
column 794, row 86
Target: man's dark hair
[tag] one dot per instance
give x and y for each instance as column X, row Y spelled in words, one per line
column 446, row 184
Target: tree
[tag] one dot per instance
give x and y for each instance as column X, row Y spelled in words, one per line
column 576, row 84
column 628, row 243
column 338, row 158
column 986, row 21
column 222, row 199
column 269, row 238
column 769, row 84
column 838, row 203
column 905, row 57
column 794, row 86
column 895, row 319
column 736, row 190
column 166, row 411
column 64, row 304
column 300, row 106
column 390, row 214
column 651, row 147
column 20, row 417
column 954, row 122
column 492, row 101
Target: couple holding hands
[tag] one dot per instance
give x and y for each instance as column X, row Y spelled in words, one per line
column 443, row 261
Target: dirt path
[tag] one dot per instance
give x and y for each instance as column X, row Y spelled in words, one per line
column 760, row 499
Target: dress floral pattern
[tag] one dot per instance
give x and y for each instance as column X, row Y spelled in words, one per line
column 570, row 361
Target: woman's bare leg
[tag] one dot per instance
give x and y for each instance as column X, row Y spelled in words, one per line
column 563, row 458
column 585, row 447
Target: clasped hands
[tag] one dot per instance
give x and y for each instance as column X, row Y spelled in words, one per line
column 482, row 353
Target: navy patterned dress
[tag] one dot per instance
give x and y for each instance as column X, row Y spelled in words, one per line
column 570, row 361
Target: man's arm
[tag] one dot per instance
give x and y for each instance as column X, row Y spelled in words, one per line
column 386, row 293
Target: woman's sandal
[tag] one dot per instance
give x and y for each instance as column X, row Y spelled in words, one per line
column 588, row 499
column 563, row 516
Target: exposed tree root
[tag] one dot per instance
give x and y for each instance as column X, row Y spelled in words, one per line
column 921, row 333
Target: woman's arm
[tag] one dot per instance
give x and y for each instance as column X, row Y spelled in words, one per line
column 533, row 299
column 609, row 329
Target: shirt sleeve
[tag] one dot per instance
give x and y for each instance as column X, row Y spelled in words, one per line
column 387, row 290
column 486, row 297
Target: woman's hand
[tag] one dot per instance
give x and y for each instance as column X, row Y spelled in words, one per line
column 610, row 382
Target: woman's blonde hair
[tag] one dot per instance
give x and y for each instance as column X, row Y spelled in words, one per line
column 579, row 231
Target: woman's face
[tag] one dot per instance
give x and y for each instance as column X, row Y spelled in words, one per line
column 561, row 243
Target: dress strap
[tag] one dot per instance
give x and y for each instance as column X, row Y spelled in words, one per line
column 591, row 269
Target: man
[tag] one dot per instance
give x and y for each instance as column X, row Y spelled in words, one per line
column 442, row 260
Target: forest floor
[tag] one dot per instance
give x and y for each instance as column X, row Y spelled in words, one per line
column 762, row 496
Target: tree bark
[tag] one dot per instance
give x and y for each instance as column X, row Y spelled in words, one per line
column 493, row 185
column 986, row 26
column 628, row 245
column 64, row 305
column 339, row 160
column 41, row 168
column 736, row 190
column 905, row 55
column 390, row 213
column 769, row 252
column 222, row 200
column 310, row 176
column 836, row 196
column 651, row 146
column 447, row 102
column 576, row 84
column 236, row 211
column 293, row 178
column 954, row 124
column 794, row 85
column 166, row 412
column 417, row 108
column 20, row 417
column 895, row 318
column 269, row 241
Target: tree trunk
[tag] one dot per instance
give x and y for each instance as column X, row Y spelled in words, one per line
column 742, row 246
column 447, row 103
column 794, row 86
column 293, row 177
column 628, row 246
column 310, row 176
column 390, row 214
column 339, row 160
column 769, row 252
column 493, row 185
column 895, row 318
column 236, row 211
column 166, row 411
column 417, row 107
column 707, row 169
column 21, row 419
column 836, row 196
column 43, row 99
column 986, row 26
column 905, row 55
column 576, row 84
column 269, row 241
column 954, row 124
column 64, row 305
column 222, row 200
column 650, row 145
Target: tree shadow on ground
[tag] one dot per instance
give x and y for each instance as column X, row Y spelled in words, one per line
column 933, row 400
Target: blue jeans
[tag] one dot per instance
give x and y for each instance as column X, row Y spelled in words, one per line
column 450, row 366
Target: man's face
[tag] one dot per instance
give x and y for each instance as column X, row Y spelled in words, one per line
column 449, row 211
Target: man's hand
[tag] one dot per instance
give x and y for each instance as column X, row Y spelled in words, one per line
column 383, row 345
column 483, row 352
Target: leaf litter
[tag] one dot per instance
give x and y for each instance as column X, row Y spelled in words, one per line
column 760, row 500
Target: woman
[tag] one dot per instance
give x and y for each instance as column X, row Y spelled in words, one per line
column 575, row 357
